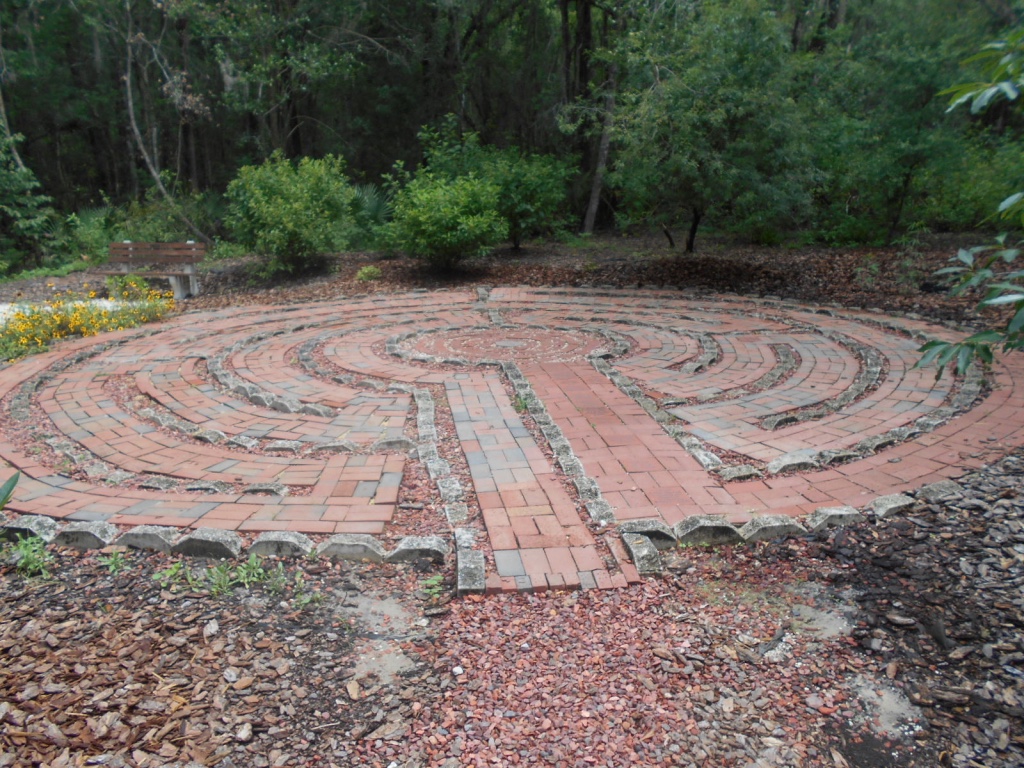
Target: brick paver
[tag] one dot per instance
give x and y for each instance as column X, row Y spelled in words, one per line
column 685, row 378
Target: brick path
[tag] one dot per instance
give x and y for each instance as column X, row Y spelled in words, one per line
column 639, row 395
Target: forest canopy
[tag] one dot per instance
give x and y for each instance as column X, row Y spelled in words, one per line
column 765, row 119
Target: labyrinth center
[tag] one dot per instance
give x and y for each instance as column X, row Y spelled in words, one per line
column 538, row 418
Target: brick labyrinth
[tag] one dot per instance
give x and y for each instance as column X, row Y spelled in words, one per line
column 650, row 405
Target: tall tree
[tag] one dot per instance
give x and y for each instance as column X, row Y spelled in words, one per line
column 708, row 126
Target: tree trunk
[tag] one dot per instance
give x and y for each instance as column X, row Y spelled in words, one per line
column 567, row 90
column 584, row 41
column 140, row 143
column 602, row 154
column 691, row 237
column 4, row 124
column 901, row 202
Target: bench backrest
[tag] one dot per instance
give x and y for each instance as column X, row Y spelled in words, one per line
column 158, row 253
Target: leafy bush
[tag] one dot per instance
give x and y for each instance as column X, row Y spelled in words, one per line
column 127, row 288
column 969, row 184
column 86, row 235
column 32, row 327
column 25, row 215
column 532, row 189
column 94, row 229
column 368, row 274
column 372, row 208
column 30, row 556
column 444, row 220
column 155, row 220
column 989, row 269
column 293, row 213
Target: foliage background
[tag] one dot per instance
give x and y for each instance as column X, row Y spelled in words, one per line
column 764, row 119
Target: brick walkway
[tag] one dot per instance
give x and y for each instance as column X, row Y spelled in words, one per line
column 649, row 403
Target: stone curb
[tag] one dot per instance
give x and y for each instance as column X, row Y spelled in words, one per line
column 219, row 544
column 644, row 538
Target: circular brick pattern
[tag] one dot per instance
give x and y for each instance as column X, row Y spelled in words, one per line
column 651, row 402
column 508, row 343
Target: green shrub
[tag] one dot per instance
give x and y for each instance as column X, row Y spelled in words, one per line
column 444, row 220
column 372, row 208
column 127, row 288
column 30, row 556
column 532, row 189
column 94, row 229
column 25, row 215
column 962, row 188
column 294, row 213
column 368, row 274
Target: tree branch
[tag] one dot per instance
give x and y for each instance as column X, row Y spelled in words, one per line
column 140, row 143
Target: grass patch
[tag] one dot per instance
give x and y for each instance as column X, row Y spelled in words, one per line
column 368, row 274
column 32, row 274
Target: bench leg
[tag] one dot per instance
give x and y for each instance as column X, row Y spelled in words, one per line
column 179, row 287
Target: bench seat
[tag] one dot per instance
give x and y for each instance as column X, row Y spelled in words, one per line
column 175, row 261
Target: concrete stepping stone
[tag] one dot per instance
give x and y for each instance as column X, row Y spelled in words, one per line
column 657, row 531
column 337, row 446
column 643, row 553
column 470, row 572
column 209, row 542
column 465, row 538
column 414, row 548
column 769, row 527
column 31, row 526
column 315, row 409
column 457, row 513
column 943, row 489
column 212, row 436
column 707, row 530
column 90, row 534
column 159, row 538
column 273, row 489
column 450, row 489
column 281, row 544
column 399, row 444
column 284, row 446
column 208, row 486
column 832, row 517
column 891, row 504
column 356, row 547
column 739, row 472
column 158, row 483
column 796, row 461
column 601, row 511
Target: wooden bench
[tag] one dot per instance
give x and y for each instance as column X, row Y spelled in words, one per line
column 175, row 261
